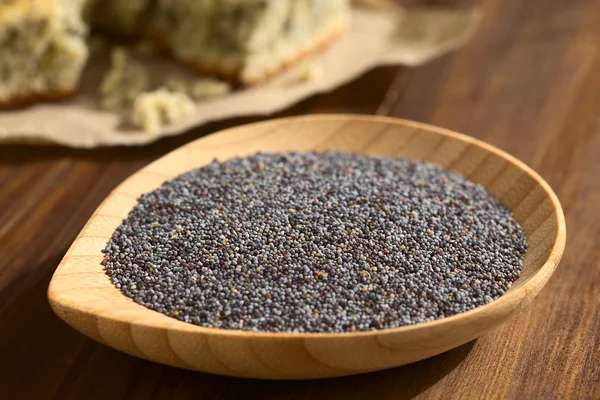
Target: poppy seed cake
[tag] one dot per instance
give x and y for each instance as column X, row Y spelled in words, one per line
column 44, row 50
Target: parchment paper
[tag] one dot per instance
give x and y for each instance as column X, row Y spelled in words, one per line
column 375, row 38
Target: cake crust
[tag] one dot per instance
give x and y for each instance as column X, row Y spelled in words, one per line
column 27, row 99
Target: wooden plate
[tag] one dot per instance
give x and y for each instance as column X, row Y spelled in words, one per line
column 82, row 295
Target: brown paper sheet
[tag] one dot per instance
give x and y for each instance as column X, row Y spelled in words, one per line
column 375, row 38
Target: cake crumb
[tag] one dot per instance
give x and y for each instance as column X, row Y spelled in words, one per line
column 124, row 81
column 176, row 84
column 202, row 89
column 312, row 72
column 157, row 109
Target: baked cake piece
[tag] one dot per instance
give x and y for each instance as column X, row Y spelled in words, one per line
column 245, row 41
column 43, row 50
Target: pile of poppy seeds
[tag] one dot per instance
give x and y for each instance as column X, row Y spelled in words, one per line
column 315, row 242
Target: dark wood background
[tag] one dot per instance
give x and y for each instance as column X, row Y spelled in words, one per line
column 528, row 83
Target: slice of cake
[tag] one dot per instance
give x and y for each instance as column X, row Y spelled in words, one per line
column 43, row 50
column 246, row 41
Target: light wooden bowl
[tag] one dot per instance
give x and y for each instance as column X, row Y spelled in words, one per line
column 82, row 295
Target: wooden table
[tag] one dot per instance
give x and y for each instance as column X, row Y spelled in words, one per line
column 529, row 83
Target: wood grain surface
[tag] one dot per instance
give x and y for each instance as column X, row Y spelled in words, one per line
column 528, row 83
column 83, row 296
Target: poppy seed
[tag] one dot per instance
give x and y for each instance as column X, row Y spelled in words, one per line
column 315, row 242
